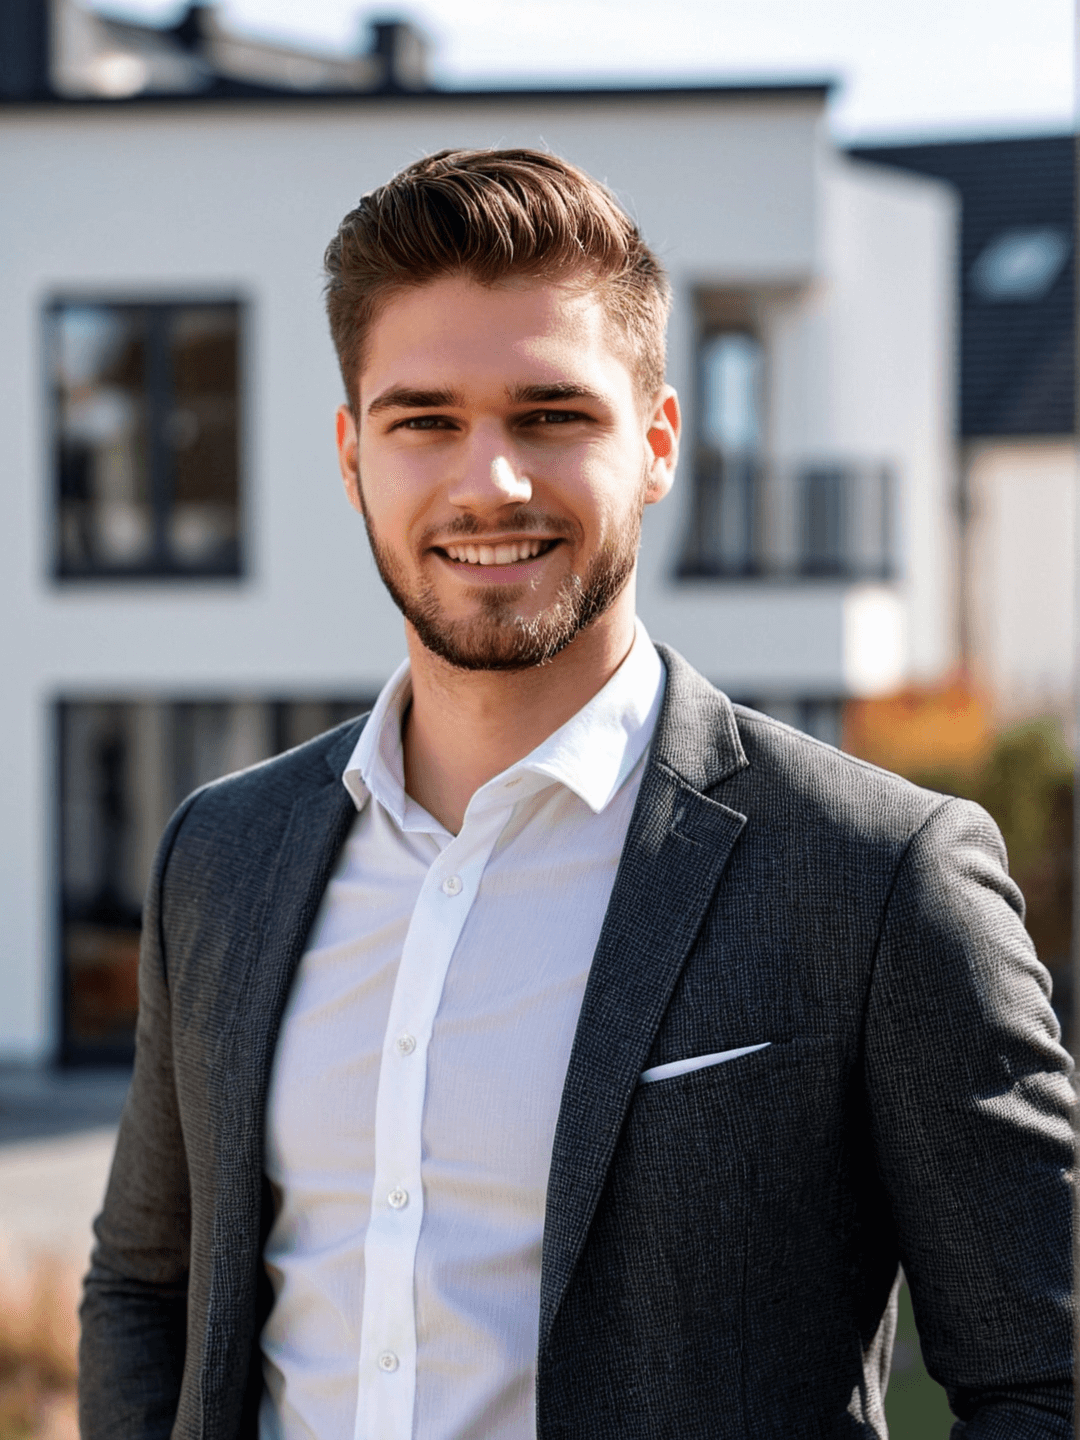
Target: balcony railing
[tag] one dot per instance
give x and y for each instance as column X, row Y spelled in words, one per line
column 817, row 520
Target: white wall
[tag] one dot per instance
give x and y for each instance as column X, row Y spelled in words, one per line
column 889, row 377
column 1023, row 563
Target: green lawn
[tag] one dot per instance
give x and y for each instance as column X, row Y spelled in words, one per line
column 915, row 1405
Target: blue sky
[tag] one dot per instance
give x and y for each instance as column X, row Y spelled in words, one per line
column 908, row 67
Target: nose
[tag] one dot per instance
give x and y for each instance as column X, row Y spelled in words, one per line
column 488, row 479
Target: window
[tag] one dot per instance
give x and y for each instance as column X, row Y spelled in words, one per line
column 725, row 525
column 752, row 516
column 124, row 766
column 146, row 429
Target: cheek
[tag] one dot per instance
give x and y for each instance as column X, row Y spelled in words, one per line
column 397, row 486
column 612, row 482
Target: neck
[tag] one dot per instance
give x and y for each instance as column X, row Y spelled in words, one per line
column 466, row 726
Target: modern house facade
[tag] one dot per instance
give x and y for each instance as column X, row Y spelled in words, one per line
column 1016, row 294
column 185, row 589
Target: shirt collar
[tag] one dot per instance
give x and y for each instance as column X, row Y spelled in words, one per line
column 592, row 754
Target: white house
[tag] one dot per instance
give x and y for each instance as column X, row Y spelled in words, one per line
column 184, row 587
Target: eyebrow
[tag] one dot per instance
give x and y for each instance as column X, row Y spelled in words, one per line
column 402, row 397
column 547, row 394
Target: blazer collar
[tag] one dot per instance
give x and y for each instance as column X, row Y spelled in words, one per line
column 676, row 848
column 696, row 736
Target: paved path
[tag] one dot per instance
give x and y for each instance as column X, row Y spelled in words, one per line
column 57, row 1131
column 50, row 1191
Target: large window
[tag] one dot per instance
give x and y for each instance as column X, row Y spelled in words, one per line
column 146, row 426
column 124, row 766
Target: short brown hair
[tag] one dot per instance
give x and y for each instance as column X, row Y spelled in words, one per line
column 493, row 215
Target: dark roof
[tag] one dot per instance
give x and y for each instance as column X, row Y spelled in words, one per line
column 1017, row 348
column 223, row 88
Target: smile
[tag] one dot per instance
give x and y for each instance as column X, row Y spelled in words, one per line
column 510, row 552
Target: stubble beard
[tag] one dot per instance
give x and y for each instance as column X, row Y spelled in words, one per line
column 499, row 638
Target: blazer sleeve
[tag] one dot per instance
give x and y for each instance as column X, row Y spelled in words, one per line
column 134, row 1310
column 970, row 1104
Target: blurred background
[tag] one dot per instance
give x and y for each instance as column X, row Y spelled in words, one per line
column 867, row 213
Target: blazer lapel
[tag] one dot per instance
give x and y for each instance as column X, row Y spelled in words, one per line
column 677, row 846
column 298, row 870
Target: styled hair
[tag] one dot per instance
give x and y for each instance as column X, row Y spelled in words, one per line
column 492, row 216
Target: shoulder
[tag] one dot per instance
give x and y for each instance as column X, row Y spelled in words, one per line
column 812, row 815
column 252, row 806
column 798, row 786
column 787, row 766
column 789, row 786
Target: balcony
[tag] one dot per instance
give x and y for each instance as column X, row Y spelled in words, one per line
column 817, row 520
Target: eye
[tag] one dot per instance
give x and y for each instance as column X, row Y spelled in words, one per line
column 424, row 422
column 553, row 417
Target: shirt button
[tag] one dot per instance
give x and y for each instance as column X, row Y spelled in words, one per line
column 452, row 885
column 398, row 1198
column 388, row 1362
column 405, row 1044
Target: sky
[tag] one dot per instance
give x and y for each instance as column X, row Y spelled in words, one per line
column 906, row 68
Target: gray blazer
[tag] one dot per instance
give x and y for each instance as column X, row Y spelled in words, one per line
column 720, row 1247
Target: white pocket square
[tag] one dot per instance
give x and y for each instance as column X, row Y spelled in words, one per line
column 697, row 1062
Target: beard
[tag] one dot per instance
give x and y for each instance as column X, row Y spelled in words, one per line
column 498, row 638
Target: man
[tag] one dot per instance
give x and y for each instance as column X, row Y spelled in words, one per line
column 565, row 1051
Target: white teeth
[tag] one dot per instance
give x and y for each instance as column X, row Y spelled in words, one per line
column 506, row 554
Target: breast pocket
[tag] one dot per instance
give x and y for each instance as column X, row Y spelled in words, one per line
column 697, row 1062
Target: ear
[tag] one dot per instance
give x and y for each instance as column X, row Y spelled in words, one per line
column 665, row 423
column 347, row 456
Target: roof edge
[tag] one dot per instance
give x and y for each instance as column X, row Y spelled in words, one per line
column 234, row 93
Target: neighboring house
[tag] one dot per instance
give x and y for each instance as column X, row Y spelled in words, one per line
column 184, row 587
column 1017, row 422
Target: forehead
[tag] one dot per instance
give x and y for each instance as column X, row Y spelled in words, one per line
column 454, row 329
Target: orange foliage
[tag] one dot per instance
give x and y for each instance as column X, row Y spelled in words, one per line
column 923, row 729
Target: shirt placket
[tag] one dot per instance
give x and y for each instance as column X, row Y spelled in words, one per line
column 387, row 1366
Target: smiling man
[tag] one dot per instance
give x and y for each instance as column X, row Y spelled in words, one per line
column 560, row 1050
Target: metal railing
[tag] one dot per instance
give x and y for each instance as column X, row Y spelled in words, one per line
column 812, row 520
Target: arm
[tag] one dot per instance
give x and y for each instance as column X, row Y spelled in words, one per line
column 134, row 1311
column 970, row 1111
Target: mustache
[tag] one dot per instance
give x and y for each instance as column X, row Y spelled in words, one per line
column 519, row 522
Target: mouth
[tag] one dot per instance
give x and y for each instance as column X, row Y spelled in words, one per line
column 502, row 552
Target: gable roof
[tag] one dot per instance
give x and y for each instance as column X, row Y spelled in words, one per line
column 1016, row 277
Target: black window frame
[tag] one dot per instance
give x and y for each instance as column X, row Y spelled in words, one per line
column 162, row 567
column 712, row 471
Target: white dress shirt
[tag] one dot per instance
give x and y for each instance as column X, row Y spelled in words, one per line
column 418, row 1075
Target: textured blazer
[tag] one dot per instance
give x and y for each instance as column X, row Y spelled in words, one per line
column 721, row 1246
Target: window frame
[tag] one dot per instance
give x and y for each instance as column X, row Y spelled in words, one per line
column 162, row 567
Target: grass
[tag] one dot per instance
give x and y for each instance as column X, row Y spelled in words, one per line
column 915, row 1405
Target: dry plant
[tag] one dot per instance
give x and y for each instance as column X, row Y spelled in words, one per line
column 38, row 1345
